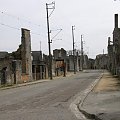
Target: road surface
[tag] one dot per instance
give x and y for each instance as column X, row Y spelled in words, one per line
column 45, row 101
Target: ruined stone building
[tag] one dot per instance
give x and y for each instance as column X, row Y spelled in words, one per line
column 101, row 61
column 85, row 62
column 23, row 54
column 5, row 68
column 71, row 60
column 114, row 49
column 26, row 55
column 16, row 67
column 77, row 59
column 59, row 62
column 24, row 65
column 116, row 46
column 10, row 69
column 91, row 63
column 110, row 56
column 39, row 66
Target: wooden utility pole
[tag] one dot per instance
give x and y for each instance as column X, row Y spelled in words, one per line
column 49, row 41
column 81, row 53
column 73, row 28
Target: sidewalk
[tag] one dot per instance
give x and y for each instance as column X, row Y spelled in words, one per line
column 103, row 102
column 35, row 82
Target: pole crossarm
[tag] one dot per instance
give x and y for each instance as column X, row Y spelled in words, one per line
column 50, row 6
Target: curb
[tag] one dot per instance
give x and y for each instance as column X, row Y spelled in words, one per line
column 87, row 91
column 76, row 105
column 89, row 116
column 24, row 84
column 32, row 82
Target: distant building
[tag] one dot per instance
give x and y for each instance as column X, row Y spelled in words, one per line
column 85, row 62
column 78, row 63
column 70, row 63
column 39, row 67
column 91, row 63
column 59, row 61
column 101, row 61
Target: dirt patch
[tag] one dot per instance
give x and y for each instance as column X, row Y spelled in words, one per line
column 107, row 83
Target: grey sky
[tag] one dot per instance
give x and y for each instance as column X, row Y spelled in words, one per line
column 94, row 19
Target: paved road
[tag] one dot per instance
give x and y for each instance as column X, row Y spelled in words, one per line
column 44, row 101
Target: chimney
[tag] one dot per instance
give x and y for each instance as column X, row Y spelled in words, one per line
column 116, row 20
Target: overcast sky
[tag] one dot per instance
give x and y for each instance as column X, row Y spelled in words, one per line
column 94, row 19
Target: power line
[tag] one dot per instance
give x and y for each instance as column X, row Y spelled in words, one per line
column 17, row 28
column 59, row 30
column 9, row 26
column 35, row 33
column 19, row 19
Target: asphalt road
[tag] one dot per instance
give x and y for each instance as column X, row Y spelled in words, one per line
column 45, row 101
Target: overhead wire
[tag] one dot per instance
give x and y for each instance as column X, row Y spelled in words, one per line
column 9, row 26
column 18, row 18
column 25, row 20
column 16, row 28
column 56, row 34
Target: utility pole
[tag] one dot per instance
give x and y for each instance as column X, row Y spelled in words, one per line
column 103, row 51
column 73, row 28
column 40, row 45
column 81, row 53
column 40, row 52
column 52, row 6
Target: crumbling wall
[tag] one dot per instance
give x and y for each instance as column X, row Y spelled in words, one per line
column 26, row 55
column 17, row 71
